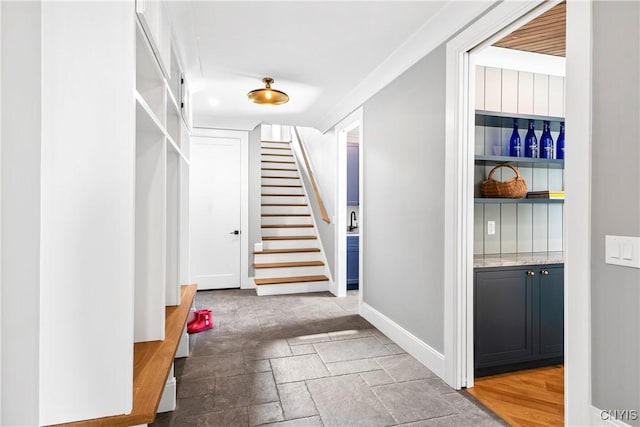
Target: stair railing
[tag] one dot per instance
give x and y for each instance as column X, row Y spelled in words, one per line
column 312, row 179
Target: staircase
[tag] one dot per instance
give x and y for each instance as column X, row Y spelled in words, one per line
column 291, row 259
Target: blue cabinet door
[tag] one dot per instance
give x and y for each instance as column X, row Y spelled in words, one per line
column 551, row 322
column 353, row 249
column 503, row 317
column 353, row 174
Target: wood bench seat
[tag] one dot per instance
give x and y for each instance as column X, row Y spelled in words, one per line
column 152, row 363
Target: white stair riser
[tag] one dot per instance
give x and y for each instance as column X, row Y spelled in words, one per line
column 281, row 181
column 274, row 144
column 275, row 150
column 286, row 166
column 274, row 158
column 284, row 199
column 289, row 244
column 272, row 220
column 292, row 288
column 282, row 190
column 288, row 257
column 284, row 209
column 291, row 172
column 264, row 273
column 288, row 232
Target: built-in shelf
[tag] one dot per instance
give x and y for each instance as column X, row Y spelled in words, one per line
column 505, row 120
column 523, row 161
column 496, row 201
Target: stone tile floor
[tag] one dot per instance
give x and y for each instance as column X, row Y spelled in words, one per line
column 306, row 360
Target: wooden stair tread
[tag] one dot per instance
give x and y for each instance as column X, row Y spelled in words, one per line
column 278, row 161
column 285, row 215
column 277, row 154
column 281, row 177
column 152, row 362
column 280, row 169
column 282, row 280
column 289, row 264
column 285, row 204
column 276, row 142
column 285, row 251
column 283, row 195
column 282, row 186
column 276, row 148
column 287, row 226
column 289, row 238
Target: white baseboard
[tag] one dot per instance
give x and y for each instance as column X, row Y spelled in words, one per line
column 425, row 354
column 292, row 288
column 250, row 284
column 605, row 418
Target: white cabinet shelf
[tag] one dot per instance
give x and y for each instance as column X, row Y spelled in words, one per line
column 161, row 201
column 149, row 82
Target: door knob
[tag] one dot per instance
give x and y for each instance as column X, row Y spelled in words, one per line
column 236, row 232
column 544, row 272
column 531, row 273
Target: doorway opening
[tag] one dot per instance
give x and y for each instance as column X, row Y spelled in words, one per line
column 510, row 313
column 349, row 206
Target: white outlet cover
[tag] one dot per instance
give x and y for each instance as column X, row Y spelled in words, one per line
column 491, row 228
column 622, row 250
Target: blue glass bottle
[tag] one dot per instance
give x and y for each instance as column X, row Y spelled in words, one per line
column 515, row 144
column 546, row 142
column 560, row 144
column 531, row 142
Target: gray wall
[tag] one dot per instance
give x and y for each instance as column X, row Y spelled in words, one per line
column 255, row 209
column 21, row 138
column 615, row 204
column 403, row 238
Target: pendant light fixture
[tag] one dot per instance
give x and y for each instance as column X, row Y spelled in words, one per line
column 268, row 96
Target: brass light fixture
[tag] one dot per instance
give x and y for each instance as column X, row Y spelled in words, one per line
column 268, row 96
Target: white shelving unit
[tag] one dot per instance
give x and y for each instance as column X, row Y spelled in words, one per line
column 161, row 187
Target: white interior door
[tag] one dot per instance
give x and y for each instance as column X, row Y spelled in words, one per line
column 215, row 209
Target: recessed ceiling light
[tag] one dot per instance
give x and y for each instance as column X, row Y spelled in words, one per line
column 214, row 102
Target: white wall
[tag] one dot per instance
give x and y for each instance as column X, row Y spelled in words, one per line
column 322, row 153
column 67, row 216
column 403, row 161
column 21, row 148
column 87, row 205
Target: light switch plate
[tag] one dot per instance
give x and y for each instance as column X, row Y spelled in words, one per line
column 622, row 250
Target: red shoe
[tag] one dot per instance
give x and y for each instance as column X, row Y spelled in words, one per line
column 195, row 315
column 204, row 321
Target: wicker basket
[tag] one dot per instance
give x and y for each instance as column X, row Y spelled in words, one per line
column 514, row 188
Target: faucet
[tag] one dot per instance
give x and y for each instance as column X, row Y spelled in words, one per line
column 352, row 220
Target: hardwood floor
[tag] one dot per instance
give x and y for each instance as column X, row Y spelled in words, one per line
column 526, row 398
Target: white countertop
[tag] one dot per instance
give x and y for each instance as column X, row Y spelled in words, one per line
column 508, row 260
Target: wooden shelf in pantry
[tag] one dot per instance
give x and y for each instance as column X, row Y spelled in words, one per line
column 152, row 362
column 505, row 120
column 487, row 200
column 524, row 161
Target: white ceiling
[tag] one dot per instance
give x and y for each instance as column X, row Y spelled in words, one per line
column 319, row 52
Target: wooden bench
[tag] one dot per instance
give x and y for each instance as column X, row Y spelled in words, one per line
column 152, row 362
